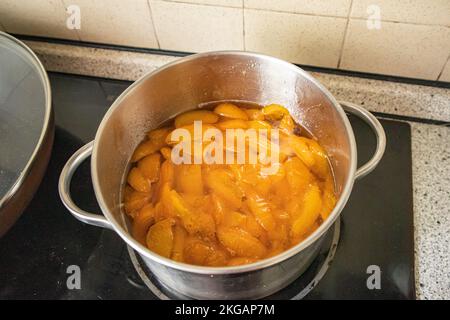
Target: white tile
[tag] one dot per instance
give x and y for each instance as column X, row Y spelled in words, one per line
column 417, row 11
column 118, row 22
column 338, row 8
column 223, row 3
column 303, row 39
column 197, row 28
column 416, row 51
column 445, row 75
column 45, row 18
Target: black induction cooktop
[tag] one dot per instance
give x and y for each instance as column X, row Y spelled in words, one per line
column 374, row 258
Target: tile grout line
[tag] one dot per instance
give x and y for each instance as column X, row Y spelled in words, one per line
column 297, row 13
column 302, row 13
column 344, row 38
column 153, row 24
column 201, row 4
column 401, row 22
column 345, row 17
column 443, row 67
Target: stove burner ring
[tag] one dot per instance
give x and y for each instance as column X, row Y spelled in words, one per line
column 154, row 285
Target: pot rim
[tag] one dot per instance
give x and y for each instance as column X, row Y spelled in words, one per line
column 6, row 198
column 261, row 264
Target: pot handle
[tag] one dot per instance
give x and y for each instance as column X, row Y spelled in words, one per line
column 64, row 188
column 376, row 126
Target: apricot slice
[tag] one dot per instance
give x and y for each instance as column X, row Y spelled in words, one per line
column 235, row 219
column 247, row 173
column 166, row 152
column 196, row 251
column 298, row 175
column 231, row 111
column 280, row 193
column 328, row 197
column 329, row 201
column 167, row 208
column 280, row 238
column 142, row 222
column 259, row 124
column 309, row 212
column 195, row 222
column 232, row 124
column 189, row 179
column 321, row 166
column 197, row 115
column 262, row 212
column 158, row 136
column 274, row 111
column 150, row 166
column 311, row 153
column 254, row 114
column 135, row 200
column 146, row 148
column 221, row 183
column 160, row 237
column 250, row 176
column 195, row 201
column 279, row 241
column 301, row 149
column 285, row 148
column 166, row 176
column 254, row 228
column 245, row 221
column 160, row 212
column 241, row 243
column 240, row 261
column 277, row 173
column 137, row 180
column 170, row 139
column 217, row 258
column 275, row 249
column 218, row 209
column 201, row 253
column 287, row 125
column 179, row 239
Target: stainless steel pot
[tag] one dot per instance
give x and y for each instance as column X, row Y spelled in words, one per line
column 192, row 81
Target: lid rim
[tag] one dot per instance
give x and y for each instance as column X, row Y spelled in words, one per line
column 19, row 181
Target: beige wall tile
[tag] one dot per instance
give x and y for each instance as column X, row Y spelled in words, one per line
column 40, row 18
column 116, row 22
column 303, row 39
column 321, row 7
column 445, row 76
column 224, row 3
column 417, row 51
column 196, row 28
column 417, row 11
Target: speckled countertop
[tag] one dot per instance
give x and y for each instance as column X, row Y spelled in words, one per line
column 430, row 143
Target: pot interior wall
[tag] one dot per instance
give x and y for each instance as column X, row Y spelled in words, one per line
column 200, row 79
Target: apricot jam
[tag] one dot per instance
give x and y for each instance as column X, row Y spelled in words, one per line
column 221, row 213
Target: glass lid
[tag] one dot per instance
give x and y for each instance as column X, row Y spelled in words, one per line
column 24, row 111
